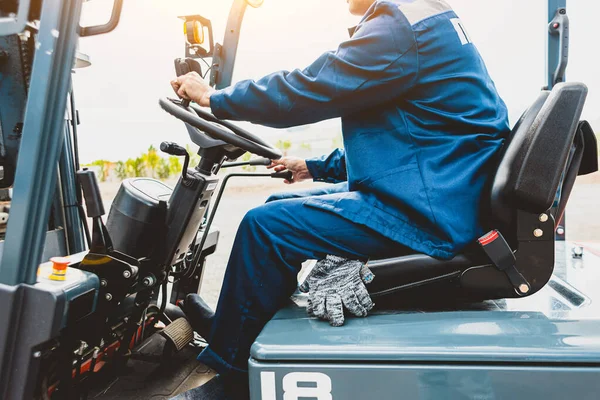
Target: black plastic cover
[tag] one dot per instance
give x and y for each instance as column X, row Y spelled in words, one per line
column 552, row 135
column 136, row 222
column 91, row 193
column 398, row 274
column 589, row 163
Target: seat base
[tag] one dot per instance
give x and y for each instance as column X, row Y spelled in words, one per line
column 396, row 275
column 472, row 275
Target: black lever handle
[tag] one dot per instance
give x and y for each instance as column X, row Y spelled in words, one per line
column 185, row 66
column 287, row 175
column 174, row 149
column 91, row 193
column 260, row 161
column 257, row 161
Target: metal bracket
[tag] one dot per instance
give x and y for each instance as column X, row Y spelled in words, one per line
column 110, row 26
column 15, row 23
column 197, row 51
column 230, row 44
column 216, row 65
column 559, row 26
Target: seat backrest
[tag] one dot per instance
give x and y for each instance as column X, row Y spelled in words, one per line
column 536, row 156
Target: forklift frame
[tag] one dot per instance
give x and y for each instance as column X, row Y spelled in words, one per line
column 34, row 191
column 43, row 138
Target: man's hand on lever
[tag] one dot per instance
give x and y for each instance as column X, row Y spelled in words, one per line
column 192, row 87
column 297, row 166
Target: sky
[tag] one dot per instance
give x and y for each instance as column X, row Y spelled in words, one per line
column 131, row 67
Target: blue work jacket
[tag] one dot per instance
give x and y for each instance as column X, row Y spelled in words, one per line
column 422, row 124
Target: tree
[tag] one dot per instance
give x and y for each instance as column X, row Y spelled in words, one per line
column 104, row 167
column 151, row 160
column 135, row 167
column 163, row 169
column 338, row 142
column 175, row 166
column 249, row 168
column 121, row 170
column 194, row 157
column 284, row 146
column 305, row 146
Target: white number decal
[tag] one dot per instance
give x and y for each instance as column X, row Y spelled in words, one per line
column 267, row 386
column 461, row 31
column 319, row 386
column 291, row 390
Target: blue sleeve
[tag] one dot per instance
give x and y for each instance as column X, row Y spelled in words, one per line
column 329, row 168
column 378, row 64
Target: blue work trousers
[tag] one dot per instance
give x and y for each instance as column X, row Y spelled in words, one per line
column 272, row 242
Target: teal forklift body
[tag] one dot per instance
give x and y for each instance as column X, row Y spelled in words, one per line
column 542, row 347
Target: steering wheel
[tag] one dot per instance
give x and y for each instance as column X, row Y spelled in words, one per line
column 218, row 129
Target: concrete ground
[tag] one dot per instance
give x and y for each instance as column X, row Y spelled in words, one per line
column 583, row 218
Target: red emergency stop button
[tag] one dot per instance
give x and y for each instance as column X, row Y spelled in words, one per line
column 59, row 268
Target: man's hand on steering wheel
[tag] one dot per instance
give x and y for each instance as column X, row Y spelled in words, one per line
column 294, row 164
column 192, row 87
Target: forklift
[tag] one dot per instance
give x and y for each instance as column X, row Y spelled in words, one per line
column 93, row 314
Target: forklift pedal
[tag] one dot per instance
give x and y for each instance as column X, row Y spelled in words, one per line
column 180, row 333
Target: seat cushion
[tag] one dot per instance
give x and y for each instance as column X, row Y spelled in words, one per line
column 533, row 164
column 401, row 273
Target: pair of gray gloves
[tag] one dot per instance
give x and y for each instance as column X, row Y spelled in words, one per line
column 336, row 283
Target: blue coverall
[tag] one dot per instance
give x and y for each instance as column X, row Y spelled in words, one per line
column 422, row 125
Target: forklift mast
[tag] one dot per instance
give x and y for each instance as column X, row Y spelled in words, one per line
column 32, row 314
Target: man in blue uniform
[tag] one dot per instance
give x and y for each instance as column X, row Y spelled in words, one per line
column 422, row 124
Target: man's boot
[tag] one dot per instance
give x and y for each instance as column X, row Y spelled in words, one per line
column 199, row 314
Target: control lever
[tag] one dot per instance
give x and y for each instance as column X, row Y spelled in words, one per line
column 255, row 162
column 174, row 149
column 198, row 250
column 287, row 175
column 185, row 66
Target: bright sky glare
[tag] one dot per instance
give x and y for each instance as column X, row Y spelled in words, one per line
column 118, row 95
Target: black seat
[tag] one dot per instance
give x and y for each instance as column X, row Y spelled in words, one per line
column 547, row 149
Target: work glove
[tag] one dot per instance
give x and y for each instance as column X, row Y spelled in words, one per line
column 336, row 283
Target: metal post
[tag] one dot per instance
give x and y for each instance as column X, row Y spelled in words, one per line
column 43, row 133
column 73, row 226
column 553, row 58
column 553, row 48
column 13, row 96
column 228, row 52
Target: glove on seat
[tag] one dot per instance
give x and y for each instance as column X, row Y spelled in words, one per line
column 336, row 283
